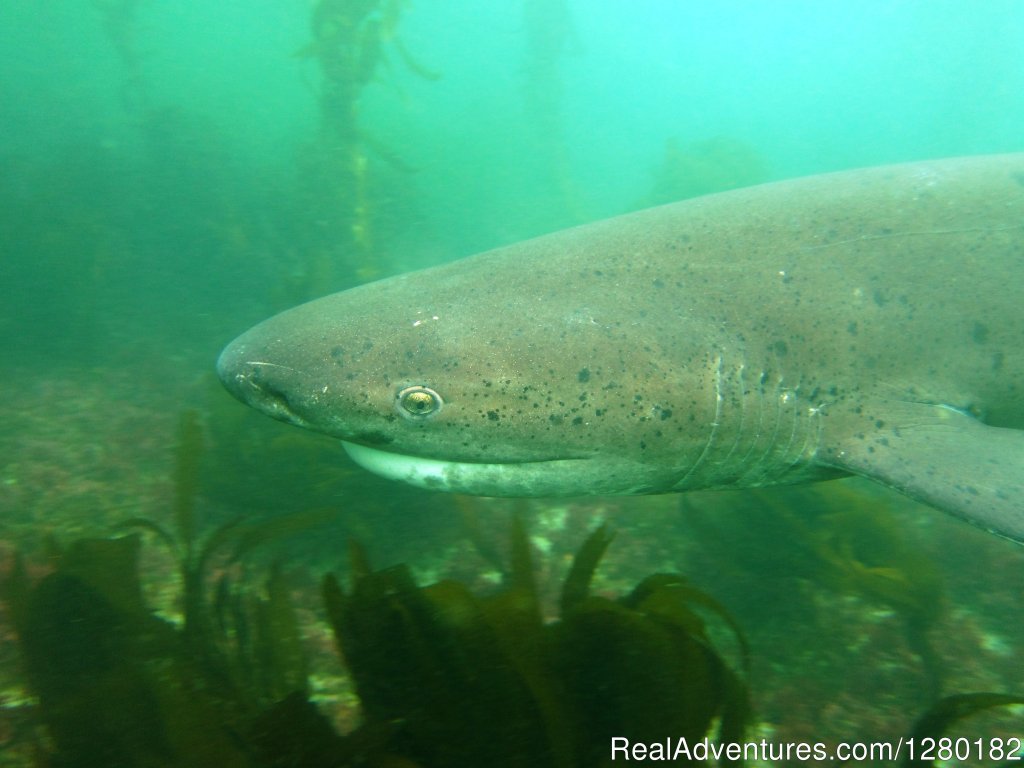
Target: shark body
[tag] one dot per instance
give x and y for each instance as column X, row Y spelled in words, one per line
column 866, row 322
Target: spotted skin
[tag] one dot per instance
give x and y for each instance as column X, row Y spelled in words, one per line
column 867, row 322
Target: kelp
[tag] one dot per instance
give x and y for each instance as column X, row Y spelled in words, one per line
column 218, row 631
column 933, row 725
column 114, row 683
column 837, row 537
column 446, row 677
column 350, row 42
column 550, row 33
column 119, row 686
column 463, row 680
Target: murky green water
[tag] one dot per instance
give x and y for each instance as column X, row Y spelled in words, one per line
column 171, row 173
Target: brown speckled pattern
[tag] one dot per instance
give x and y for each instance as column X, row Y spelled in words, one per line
column 868, row 321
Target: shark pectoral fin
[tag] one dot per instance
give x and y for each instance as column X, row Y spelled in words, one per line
column 943, row 457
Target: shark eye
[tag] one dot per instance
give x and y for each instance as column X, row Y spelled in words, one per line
column 418, row 402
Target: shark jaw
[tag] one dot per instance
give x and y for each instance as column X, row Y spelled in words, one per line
column 478, row 479
column 551, row 477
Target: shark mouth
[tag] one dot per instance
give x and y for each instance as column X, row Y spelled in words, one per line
column 426, row 473
column 528, row 478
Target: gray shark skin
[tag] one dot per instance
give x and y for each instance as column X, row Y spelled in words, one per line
column 868, row 322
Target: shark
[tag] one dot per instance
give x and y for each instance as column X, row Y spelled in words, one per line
column 866, row 322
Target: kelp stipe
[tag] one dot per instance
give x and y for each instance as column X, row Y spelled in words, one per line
column 836, row 536
column 350, row 45
column 224, row 628
column 931, row 728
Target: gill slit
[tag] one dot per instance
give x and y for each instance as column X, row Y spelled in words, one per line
column 714, row 425
column 791, row 398
column 812, row 434
column 743, row 413
column 770, row 447
column 807, row 419
column 745, row 461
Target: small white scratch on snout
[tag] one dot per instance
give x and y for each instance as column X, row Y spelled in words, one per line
column 268, row 365
column 271, row 365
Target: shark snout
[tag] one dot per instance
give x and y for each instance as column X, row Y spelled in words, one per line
column 256, row 383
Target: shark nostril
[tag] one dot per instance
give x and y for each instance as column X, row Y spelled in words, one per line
column 276, row 396
column 260, row 383
column 274, row 402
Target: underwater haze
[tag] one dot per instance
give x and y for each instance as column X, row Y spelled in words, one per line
column 165, row 159
column 171, row 173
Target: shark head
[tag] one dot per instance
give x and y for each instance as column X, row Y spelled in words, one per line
column 509, row 374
